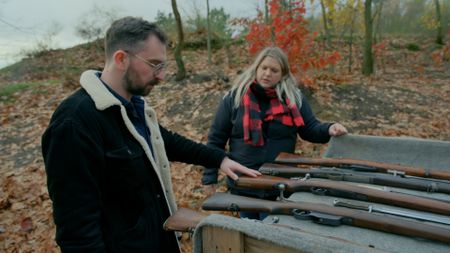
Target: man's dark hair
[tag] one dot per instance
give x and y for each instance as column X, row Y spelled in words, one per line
column 128, row 33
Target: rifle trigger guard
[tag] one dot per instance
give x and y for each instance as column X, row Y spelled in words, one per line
column 301, row 215
column 317, row 217
column 318, row 191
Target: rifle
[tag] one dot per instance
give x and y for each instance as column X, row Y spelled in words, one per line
column 328, row 215
column 407, row 182
column 362, row 165
column 184, row 220
column 345, row 190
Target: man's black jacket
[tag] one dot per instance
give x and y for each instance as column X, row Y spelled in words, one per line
column 111, row 193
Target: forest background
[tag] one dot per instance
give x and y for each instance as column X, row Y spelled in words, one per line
column 379, row 67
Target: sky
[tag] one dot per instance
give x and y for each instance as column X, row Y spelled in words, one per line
column 24, row 23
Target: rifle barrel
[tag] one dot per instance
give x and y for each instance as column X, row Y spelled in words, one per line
column 288, row 158
column 407, row 182
column 346, row 190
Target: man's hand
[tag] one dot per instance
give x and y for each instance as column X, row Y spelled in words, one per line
column 337, row 129
column 229, row 166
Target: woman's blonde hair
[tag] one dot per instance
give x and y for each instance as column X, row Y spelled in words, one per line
column 287, row 87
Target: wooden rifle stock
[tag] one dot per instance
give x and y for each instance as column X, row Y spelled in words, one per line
column 413, row 183
column 184, row 220
column 293, row 159
column 346, row 190
column 229, row 202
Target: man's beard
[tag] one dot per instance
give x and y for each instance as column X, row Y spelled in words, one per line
column 136, row 89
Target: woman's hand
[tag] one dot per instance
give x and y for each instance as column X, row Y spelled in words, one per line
column 337, row 130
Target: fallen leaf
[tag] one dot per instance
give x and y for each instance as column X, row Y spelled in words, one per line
column 26, row 224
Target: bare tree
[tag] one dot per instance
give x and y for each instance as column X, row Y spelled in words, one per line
column 181, row 73
column 325, row 23
column 368, row 39
column 93, row 24
column 46, row 41
column 376, row 20
column 208, row 25
column 439, row 35
column 266, row 12
column 353, row 16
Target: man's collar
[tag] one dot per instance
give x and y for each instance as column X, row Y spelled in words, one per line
column 117, row 95
column 103, row 95
column 99, row 93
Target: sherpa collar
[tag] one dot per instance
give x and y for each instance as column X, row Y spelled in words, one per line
column 103, row 99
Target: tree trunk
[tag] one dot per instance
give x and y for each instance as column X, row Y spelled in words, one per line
column 350, row 52
column 208, row 42
column 181, row 73
column 368, row 55
column 350, row 42
column 325, row 23
column 266, row 12
column 439, row 37
column 377, row 20
column 267, row 20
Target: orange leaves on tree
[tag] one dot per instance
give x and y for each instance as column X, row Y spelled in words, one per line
column 287, row 30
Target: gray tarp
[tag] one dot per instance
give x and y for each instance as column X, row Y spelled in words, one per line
column 402, row 150
column 303, row 241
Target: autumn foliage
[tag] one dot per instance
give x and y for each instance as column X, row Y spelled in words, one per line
column 287, row 29
column 407, row 97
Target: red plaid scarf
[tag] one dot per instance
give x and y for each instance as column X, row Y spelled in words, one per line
column 252, row 122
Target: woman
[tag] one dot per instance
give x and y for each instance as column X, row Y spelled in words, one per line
column 260, row 117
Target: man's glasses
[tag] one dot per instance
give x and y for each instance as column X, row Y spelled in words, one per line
column 157, row 68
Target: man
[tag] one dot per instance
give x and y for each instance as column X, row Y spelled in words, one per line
column 106, row 157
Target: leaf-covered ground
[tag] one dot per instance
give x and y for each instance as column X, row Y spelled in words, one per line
column 409, row 96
